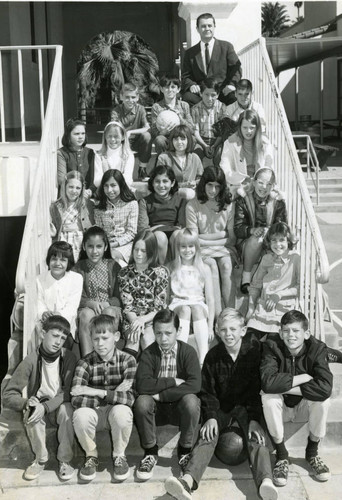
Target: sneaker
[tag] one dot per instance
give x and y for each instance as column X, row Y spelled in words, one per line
column 142, row 174
column 145, row 470
column 121, row 469
column 178, row 488
column 88, row 471
column 280, row 472
column 267, row 490
column 321, row 470
column 66, row 471
column 183, row 462
column 33, row 471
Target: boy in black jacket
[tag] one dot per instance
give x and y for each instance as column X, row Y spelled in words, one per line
column 296, row 383
column 229, row 394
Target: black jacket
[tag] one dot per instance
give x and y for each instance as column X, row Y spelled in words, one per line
column 278, row 367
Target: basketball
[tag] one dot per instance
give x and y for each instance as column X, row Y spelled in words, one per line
column 230, row 448
column 165, row 119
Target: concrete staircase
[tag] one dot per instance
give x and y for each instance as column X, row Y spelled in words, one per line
column 330, row 194
column 15, row 455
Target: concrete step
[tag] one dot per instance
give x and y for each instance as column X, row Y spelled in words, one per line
column 328, row 206
column 331, row 198
column 326, row 188
column 219, row 482
column 337, row 181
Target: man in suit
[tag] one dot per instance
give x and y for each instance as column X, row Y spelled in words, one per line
column 210, row 58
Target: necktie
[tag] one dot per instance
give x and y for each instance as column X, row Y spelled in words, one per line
column 207, row 56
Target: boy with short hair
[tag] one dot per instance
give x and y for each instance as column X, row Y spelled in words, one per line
column 244, row 94
column 296, row 382
column 167, row 381
column 132, row 115
column 204, row 114
column 170, row 87
column 230, row 392
column 47, row 373
column 102, row 396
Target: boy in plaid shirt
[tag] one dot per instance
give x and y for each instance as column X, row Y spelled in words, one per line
column 168, row 379
column 102, row 396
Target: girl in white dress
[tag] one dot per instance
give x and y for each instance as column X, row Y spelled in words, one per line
column 192, row 291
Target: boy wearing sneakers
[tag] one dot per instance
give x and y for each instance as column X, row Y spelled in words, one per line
column 244, row 94
column 168, row 379
column 296, row 383
column 47, row 374
column 102, row 397
column 230, row 393
column 133, row 117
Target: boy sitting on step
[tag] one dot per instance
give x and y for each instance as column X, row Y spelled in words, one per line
column 132, row 115
column 103, row 397
column 229, row 395
column 47, row 374
column 168, row 379
column 296, row 382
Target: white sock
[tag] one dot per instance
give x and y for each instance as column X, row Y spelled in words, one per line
column 184, row 330
column 246, row 277
column 201, row 333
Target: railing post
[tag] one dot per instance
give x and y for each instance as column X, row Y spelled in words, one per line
column 2, row 104
column 21, row 96
column 41, row 87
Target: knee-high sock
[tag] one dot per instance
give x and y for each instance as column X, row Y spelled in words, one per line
column 184, row 329
column 201, row 336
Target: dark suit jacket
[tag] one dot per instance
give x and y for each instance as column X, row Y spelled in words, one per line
column 224, row 65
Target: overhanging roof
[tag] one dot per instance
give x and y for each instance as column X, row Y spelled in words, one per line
column 286, row 53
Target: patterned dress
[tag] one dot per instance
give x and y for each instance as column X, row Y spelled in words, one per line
column 142, row 292
column 120, row 219
column 187, row 288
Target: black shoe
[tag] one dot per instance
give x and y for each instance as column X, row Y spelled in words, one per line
column 281, row 472
column 183, row 462
column 244, row 288
column 88, row 471
column 146, row 466
column 142, row 174
column 321, row 470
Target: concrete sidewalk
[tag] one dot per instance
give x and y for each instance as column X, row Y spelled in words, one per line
column 219, row 482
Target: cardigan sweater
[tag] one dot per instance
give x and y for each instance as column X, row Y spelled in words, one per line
column 83, row 161
column 188, row 369
column 29, row 374
column 85, row 218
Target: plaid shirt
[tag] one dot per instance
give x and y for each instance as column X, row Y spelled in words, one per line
column 94, row 372
column 205, row 118
column 119, row 219
column 168, row 365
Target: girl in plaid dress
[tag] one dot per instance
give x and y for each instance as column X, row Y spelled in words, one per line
column 143, row 287
column 71, row 214
column 100, row 285
column 117, row 214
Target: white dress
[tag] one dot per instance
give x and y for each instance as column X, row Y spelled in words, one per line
column 113, row 160
column 187, row 288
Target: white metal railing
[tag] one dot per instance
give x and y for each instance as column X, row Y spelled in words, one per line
column 312, row 163
column 36, row 238
column 257, row 67
column 17, row 51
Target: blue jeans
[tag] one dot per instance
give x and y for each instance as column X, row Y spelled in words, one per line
column 259, row 456
column 149, row 413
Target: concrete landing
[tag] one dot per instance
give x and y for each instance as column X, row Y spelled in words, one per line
column 219, row 482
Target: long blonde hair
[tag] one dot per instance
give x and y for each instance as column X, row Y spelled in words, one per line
column 259, row 141
column 189, row 235
column 63, row 200
column 126, row 150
